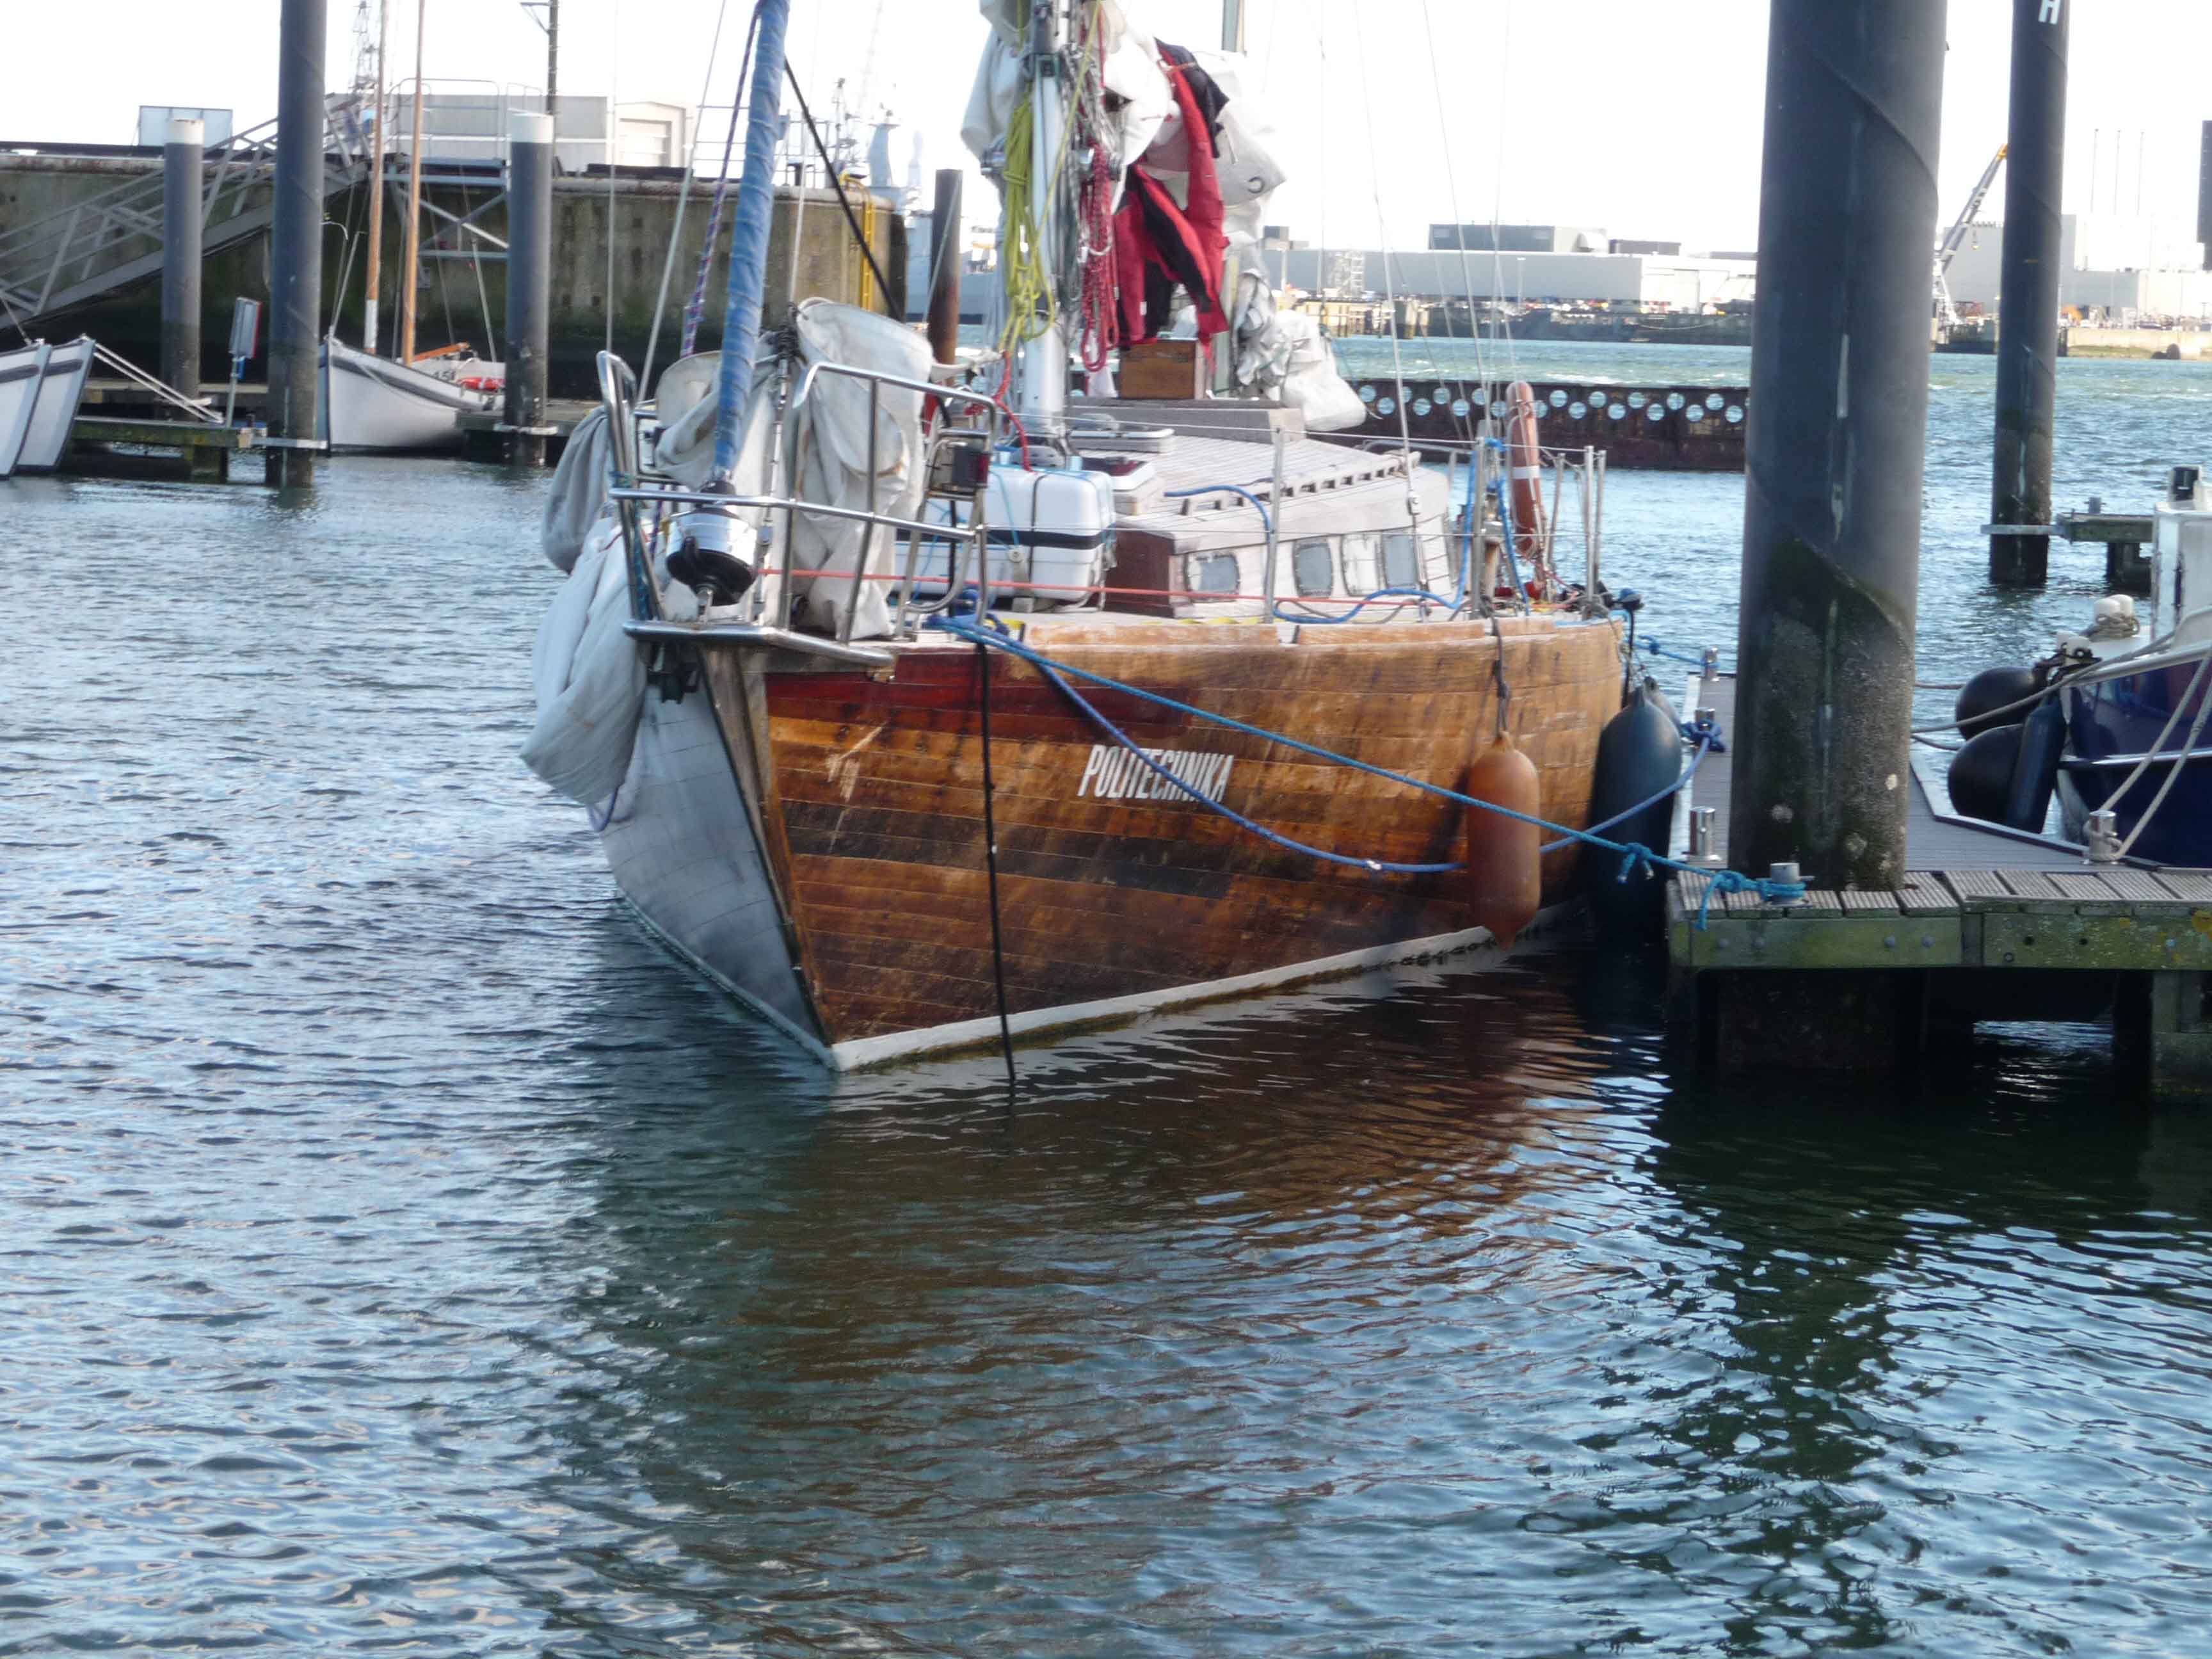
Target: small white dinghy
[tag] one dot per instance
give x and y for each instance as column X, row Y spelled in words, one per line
column 40, row 387
column 374, row 404
column 20, row 372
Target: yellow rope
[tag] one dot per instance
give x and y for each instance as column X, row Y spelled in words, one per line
column 1031, row 306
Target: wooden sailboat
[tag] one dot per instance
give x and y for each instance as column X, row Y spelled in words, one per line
column 895, row 832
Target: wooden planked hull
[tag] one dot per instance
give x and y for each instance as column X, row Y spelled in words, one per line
column 1118, row 894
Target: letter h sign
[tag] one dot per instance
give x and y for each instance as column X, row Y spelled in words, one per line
column 2051, row 9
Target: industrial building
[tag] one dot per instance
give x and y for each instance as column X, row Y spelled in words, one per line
column 2120, row 268
column 1625, row 280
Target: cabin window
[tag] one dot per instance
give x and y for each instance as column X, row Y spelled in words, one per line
column 1216, row 573
column 1313, row 568
column 1402, row 560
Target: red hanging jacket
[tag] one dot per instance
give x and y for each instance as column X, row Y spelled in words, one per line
column 1157, row 244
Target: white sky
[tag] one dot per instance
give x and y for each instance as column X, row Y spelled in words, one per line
column 1639, row 117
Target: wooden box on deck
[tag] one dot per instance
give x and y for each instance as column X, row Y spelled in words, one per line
column 1162, row 368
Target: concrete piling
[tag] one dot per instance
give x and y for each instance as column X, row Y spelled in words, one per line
column 529, row 284
column 945, row 260
column 295, row 244
column 183, row 163
column 2027, row 313
column 1838, row 430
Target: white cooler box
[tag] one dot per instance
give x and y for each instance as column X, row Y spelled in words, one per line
column 1051, row 533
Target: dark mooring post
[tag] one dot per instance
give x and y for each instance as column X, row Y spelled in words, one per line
column 295, row 244
column 182, row 159
column 1838, row 430
column 529, row 284
column 945, row 261
column 2028, row 313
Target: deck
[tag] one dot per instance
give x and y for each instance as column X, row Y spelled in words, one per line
column 1844, row 977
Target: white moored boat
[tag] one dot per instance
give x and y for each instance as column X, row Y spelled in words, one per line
column 372, row 403
column 40, row 387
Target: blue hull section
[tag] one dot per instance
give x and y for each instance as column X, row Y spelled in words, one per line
column 2109, row 727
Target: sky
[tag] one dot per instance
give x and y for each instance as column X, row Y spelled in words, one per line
column 1639, row 118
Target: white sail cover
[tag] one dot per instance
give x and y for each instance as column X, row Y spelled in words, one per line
column 833, row 461
column 588, row 674
column 1280, row 354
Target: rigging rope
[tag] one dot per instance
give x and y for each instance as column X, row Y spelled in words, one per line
column 684, row 201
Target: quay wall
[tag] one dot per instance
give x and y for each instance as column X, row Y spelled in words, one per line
column 462, row 299
column 2175, row 345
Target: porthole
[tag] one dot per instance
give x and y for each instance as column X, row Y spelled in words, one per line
column 1386, row 405
column 1655, row 412
column 1674, row 400
column 1458, row 409
column 1635, row 400
column 1617, row 412
column 1313, row 569
column 1402, row 560
column 1367, row 394
column 1696, row 412
column 1577, row 411
column 1421, row 406
column 1499, row 409
column 1736, row 414
column 1558, row 400
column 1216, row 573
column 1713, row 401
column 1443, row 395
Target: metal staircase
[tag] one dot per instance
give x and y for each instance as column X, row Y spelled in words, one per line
column 113, row 239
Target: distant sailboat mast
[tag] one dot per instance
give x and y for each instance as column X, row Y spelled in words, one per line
column 412, row 250
column 376, row 155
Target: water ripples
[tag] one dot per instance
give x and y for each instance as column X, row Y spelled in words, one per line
column 399, row 1254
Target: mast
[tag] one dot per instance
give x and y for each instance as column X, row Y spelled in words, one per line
column 749, row 234
column 411, row 248
column 1042, row 403
column 375, row 196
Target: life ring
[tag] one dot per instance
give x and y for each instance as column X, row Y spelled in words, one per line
column 1526, row 476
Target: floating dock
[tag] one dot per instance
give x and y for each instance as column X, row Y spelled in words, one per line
column 191, row 449
column 1989, row 924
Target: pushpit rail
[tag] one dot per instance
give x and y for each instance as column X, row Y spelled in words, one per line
column 632, row 490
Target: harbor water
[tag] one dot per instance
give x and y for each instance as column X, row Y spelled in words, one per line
column 399, row 1255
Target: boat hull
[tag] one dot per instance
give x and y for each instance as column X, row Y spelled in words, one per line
column 22, row 373
column 832, row 872
column 2110, row 728
column 59, row 388
column 370, row 404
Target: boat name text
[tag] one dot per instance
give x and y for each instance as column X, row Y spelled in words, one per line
column 1113, row 773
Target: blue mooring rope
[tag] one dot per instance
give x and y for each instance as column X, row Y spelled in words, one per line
column 1654, row 648
column 1634, row 855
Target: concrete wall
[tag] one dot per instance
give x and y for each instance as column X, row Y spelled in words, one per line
column 464, row 299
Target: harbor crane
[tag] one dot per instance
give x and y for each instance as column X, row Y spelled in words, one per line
column 1947, row 312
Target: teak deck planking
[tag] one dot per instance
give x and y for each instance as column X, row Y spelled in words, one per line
column 873, row 807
